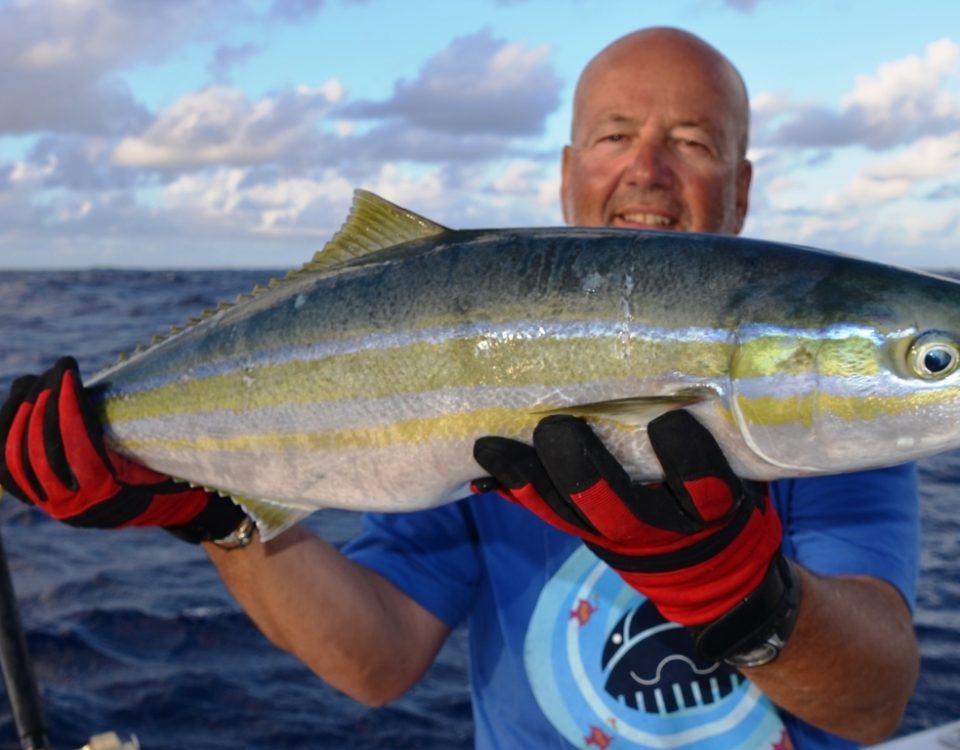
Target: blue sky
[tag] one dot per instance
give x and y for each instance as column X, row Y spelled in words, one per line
column 185, row 133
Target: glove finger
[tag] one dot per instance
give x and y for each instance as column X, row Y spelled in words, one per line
column 15, row 474
column 67, row 466
column 695, row 469
column 41, row 457
column 594, row 481
column 586, row 472
column 518, row 469
column 75, row 446
column 170, row 504
column 53, row 436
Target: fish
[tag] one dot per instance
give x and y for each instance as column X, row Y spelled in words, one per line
column 361, row 380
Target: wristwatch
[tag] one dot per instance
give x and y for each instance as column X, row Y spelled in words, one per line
column 755, row 631
column 239, row 537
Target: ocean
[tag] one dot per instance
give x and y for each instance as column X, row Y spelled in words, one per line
column 133, row 631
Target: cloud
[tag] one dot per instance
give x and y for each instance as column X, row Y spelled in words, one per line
column 59, row 59
column 226, row 57
column 235, row 171
column 295, row 10
column 947, row 192
column 397, row 142
column 896, row 130
column 73, row 162
column 928, row 160
column 744, row 6
column 219, row 126
column 517, row 177
column 479, row 85
column 284, row 205
column 901, row 101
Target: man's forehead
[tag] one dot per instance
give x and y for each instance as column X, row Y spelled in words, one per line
column 635, row 114
column 620, row 94
column 665, row 62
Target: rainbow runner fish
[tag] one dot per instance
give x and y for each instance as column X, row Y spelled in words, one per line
column 362, row 380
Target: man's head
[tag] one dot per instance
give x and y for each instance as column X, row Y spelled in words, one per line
column 659, row 137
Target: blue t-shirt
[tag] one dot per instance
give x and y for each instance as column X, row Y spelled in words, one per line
column 563, row 654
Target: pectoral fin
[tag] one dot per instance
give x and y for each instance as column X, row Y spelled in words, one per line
column 635, row 411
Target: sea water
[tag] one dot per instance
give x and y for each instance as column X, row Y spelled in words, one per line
column 133, row 631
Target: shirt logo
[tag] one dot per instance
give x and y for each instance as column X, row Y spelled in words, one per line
column 650, row 665
column 608, row 671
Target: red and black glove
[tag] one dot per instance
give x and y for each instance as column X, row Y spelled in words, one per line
column 699, row 545
column 52, row 455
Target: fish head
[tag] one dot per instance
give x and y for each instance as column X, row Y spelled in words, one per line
column 866, row 388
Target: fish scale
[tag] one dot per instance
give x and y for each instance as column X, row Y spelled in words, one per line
column 362, row 380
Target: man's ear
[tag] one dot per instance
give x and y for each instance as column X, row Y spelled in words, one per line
column 566, row 199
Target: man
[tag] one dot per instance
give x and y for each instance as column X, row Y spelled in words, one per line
column 563, row 652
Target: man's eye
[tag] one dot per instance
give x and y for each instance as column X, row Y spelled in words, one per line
column 695, row 146
column 613, row 138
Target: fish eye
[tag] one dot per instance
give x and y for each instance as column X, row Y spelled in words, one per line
column 933, row 355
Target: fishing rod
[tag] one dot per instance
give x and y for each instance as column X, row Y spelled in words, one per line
column 20, row 681
column 17, row 668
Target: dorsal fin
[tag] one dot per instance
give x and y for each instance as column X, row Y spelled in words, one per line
column 374, row 223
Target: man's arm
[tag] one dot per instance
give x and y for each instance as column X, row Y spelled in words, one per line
column 346, row 622
column 351, row 626
column 851, row 662
column 705, row 547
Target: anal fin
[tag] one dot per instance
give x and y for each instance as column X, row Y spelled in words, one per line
column 272, row 517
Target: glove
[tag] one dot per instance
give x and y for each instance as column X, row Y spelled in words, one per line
column 697, row 544
column 53, row 456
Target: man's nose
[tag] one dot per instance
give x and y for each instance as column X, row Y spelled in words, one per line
column 650, row 166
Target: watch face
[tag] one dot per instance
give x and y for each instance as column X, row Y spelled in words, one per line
column 757, row 657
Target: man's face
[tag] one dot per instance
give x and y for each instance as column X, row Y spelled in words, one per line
column 656, row 145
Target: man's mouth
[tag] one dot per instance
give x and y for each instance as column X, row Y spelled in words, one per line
column 654, row 220
column 644, row 219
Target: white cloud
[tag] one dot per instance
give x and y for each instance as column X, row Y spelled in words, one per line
column 901, row 101
column 420, row 191
column 26, row 174
column 548, row 200
column 46, row 54
column 897, row 132
column 60, row 59
column 478, row 85
column 517, row 177
column 910, row 87
column 929, row 158
column 228, row 197
column 220, row 125
column 903, row 175
column 863, row 191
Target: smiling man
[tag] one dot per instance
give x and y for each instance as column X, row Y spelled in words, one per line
column 702, row 612
column 661, row 149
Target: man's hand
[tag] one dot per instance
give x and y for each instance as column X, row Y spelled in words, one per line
column 52, row 455
column 697, row 545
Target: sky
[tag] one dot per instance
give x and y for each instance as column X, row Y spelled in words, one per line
column 215, row 133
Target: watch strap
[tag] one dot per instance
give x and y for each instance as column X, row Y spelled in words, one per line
column 764, row 618
column 220, row 519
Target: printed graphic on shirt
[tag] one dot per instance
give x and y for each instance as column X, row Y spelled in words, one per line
column 609, row 672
